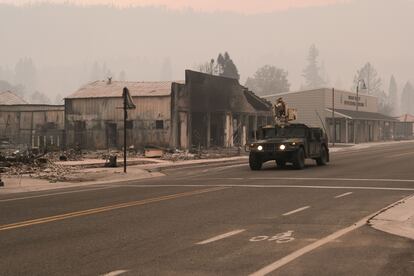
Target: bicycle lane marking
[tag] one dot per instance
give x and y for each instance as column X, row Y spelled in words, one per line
column 304, row 250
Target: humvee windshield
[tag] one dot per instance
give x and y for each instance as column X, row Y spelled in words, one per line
column 268, row 133
column 290, row 132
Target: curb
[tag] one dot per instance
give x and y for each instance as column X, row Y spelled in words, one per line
column 181, row 165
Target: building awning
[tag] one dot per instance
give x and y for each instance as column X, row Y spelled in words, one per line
column 361, row 115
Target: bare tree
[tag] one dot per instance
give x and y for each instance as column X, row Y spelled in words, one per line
column 269, row 80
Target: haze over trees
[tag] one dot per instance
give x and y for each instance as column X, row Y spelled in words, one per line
column 373, row 83
column 64, row 41
column 269, row 80
column 407, row 99
column 312, row 72
column 393, row 96
column 223, row 66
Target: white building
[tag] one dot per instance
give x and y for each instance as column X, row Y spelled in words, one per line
column 322, row 107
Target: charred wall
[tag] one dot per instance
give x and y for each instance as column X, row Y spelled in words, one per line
column 216, row 111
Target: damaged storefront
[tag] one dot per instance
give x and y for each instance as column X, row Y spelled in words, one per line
column 211, row 111
column 203, row 111
column 33, row 126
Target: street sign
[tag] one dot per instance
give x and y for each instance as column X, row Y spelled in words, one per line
column 128, row 103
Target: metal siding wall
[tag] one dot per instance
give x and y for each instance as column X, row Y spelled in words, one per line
column 20, row 119
column 308, row 105
column 96, row 112
column 370, row 102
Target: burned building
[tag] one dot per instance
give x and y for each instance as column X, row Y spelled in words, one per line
column 202, row 111
column 215, row 111
column 30, row 125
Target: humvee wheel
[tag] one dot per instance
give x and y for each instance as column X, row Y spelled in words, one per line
column 299, row 159
column 255, row 162
column 323, row 159
column 281, row 163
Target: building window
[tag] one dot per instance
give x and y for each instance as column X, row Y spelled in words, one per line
column 159, row 124
column 129, row 124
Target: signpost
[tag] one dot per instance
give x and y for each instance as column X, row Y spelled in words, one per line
column 128, row 104
column 333, row 118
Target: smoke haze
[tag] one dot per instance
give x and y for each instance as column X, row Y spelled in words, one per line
column 70, row 44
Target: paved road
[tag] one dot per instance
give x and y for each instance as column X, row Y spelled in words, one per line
column 218, row 220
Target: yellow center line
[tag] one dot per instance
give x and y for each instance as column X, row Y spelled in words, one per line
column 105, row 209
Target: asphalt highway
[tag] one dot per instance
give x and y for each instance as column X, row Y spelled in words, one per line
column 218, row 220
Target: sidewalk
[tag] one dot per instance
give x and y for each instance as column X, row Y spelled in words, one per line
column 345, row 147
column 398, row 220
column 102, row 175
column 97, row 176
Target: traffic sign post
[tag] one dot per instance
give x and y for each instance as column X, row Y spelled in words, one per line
column 128, row 104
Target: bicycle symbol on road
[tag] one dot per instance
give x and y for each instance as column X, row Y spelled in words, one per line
column 279, row 238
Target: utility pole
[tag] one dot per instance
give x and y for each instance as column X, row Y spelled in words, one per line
column 125, row 125
column 333, row 117
column 357, row 105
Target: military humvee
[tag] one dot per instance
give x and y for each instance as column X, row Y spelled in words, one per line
column 290, row 143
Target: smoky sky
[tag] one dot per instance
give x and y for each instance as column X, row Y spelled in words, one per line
column 65, row 41
column 240, row 6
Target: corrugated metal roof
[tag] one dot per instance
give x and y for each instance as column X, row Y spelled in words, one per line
column 9, row 98
column 363, row 115
column 103, row 89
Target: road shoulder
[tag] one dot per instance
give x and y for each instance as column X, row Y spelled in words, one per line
column 398, row 220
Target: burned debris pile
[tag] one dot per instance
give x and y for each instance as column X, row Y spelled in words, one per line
column 33, row 164
column 198, row 153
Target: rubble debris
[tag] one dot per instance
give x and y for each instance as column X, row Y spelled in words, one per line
column 153, row 152
column 30, row 163
column 196, row 154
column 111, row 161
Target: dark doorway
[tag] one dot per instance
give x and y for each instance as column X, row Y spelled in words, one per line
column 217, row 124
column 80, row 134
column 199, row 129
column 111, row 135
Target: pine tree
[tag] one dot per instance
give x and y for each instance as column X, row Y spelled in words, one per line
column 407, row 99
column 312, row 72
column 122, row 76
column 95, row 72
column 166, row 70
column 393, row 95
column 226, row 67
column 26, row 74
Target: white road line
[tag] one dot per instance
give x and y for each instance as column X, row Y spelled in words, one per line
column 399, row 155
column 222, row 236
column 115, row 273
column 58, row 193
column 345, row 194
column 333, row 179
column 296, row 211
column 273, row 186
column 313, row 179
column 298, row 253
